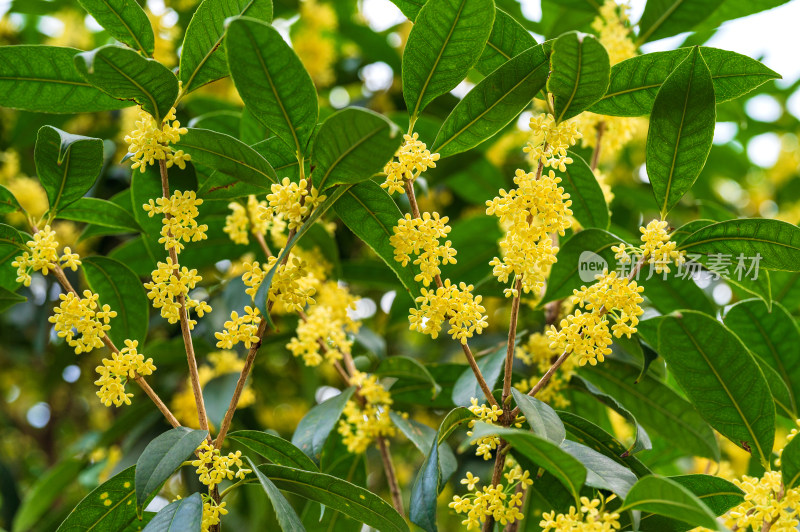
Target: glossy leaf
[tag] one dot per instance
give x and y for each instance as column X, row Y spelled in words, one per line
column 508, row 39
column 726, row 386
column 601, row 472
column 579, row 73
column 671, row 291
column 274, row 448
column 178, row 516
column 665, row 18
column 287, row 517
column 351, row 146
column 121, row 289
column 681, row 131
column 540, row 416
column 790, row 464
column 663, row 496
column 124, row 20
column 162, row 456
column 467, row 387
column 100, row 212
column 8, row 299
column 203, row 57
column 8, row 203
column 125, row 75
column 588, row 202
column 447, row 39
column 317, row 424
column 400, row 367
column 272, row 81
column 67, row 164
column 422, row 436
column 217, row 395
column 44, row 491
column 493, row 103
column 44, row 79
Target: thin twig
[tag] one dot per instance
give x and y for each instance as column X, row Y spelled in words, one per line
column 263, row 244
column 601, row 126
column 512, row 336
column 391, row 476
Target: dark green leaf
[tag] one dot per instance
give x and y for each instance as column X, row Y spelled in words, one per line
column 542, row 419
column 44, row 79
column 124, row 20
column 508, row 39
column 447, row 39
column 178, row 516
column 100, row 212
column 44, row 491
column 8, row 299
column 272, row 81
column 580, row 73
column 790, row 464
column 317, row 424
column 726, row 386
column 67, row 164
column 351, row 146
column 663, row 496
column 400, row 367
column 665, row 18
column 287, row 517
column 122, row 290
column 422, row 436
column 681, row 131
column 162, row 457
column 780, row 392
column 217, row 394
column 8, row 203
column 125, row 75
column 677, row 291
column 203, row 53
column 467, row 387
column 601, row 472
column 10, row 237
column 588, row 202
column 274, row 448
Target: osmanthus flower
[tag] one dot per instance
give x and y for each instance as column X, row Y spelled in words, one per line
column 290, row 286
column 314, row 41
column 592, row 517
column 42, row 256
column 169, row 282
column 212, row 468
column 412, row 158
column 291, row 201
column 550, row 141
column 363, row 423
column 179, row 219
column 501, row 502
column 150, row 141
column 246, row 219
column 657, row 249
column 82, row 321
column 456, row 304
column 538, row 354
column 240, row 329
column 487, row 444
column 420, row 236
column 116, row 371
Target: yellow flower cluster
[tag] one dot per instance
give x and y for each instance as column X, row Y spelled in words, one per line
column 550, row 141
column 42, row 256
column 613, row 29
column 529, row 214
column 586, row 334
column 487, row 444
column 420, row 236
column 314, row 43
column 180, row 219
column 212, row 513
column 292, row 202
column 361, row 424
column 765, row 501
column 592, row 517
column 246, row 219
column 213, row 467
column 114, row 373
column 496, row 501
column 658, row 249
column 289, row 284
column 463, row 311
column 82, row 316
column 150, row 141
column 537, row 352
column 238, row 329
column 413, row 158
column 170, row 281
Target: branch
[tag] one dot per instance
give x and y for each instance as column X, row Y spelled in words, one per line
column 601, row 126
column 512, row 335
column 391, row 477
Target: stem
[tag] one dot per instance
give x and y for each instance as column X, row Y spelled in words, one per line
column 184, row 318
column 513, row 527
column 512, row 335
column 497, row 475
column 391, row 477
column 263, row 244
column 601, row 126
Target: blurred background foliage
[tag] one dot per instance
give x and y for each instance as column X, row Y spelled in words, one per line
column 54, row 429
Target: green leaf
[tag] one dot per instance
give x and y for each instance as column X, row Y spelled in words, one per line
column 422, row 436
column 588, row 202
column 67, row 164
column 447, row 39
column 274, row 448
column 44, row 491
column 601, row 472
column 179, row 516
column 203, row 57
column 665, row 18
column 272, row 81
column 780, row 392
column 217, row 395
column 467, row 387
column 726, row 386
column 656, row 406
column 162, row 456
column 95, row 513
column 718, row 494
column 772, row 336
column 371, row 214
column 317, row 424
column 125, row 75
column 547, row 455
column 663, row 496
column 675, row 292
column 124, row 20
column 122, row 290
column 775, row 243
column 10, row 237
column 429, row 481
column 681, row 131
column 493, row 103
column 8, row 203
column 790, row 464
column 338, row 495
column 409, row 369
column 635, row 81
column 44, row 79
column 351, row 146
column 8, row 299
column 508, row 39
column 100, row 212
column 580, row 73
column 542, row 419
column 228, row 156
column 287, row 517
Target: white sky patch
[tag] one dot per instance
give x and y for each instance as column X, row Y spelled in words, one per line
column 71, row 373
column 381, row 14
column 92, row 24
column 722, row 294
column 377, row 76
column 793, row 104
column 50, row 26
column 763, row 107
column 724, row 132
column 38, row 415
column 462, row 89
column 339, row 97
column 764, row 149
column 386, row 301
column 325, row 392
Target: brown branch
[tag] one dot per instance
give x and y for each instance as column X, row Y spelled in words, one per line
column 263, row 244
column 601, row 126
column 497, row 475
column 512, row 336
column 391, row 476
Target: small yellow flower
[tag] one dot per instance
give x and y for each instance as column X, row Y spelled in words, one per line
column 213, row 467
column 244, row 220
column 114, row 373
column 292, row 202
column 240, row 329
column 550, row 141
column 658, row 249
column 179, row 219
column 42, row 256
column 420, row 236
column 170, row 281
column 457, row 305
column 413, row 158
column 591, row 517
column 362, row 424
column 150, row 141
column 82, row 316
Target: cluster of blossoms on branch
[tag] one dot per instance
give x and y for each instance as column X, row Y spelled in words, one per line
column 41, row 255
column 366, row 418
column 115, row 372
column 591, row 517
column 150, row 141
column 410, row 160
column 212, row 468
column 499, row 501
